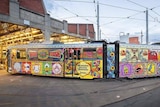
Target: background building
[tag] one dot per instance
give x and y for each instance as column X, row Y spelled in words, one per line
column 25, row 21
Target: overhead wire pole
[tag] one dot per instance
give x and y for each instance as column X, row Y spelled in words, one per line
column 147, row 37
column 98, row 34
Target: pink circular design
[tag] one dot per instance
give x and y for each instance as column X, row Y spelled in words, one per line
column 56, row 68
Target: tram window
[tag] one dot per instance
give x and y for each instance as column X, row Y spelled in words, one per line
column 89, row 53
column 21, row 54
column 89, row 49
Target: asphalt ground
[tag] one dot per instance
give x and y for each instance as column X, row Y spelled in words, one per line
column 37, row 91
column 147, row 99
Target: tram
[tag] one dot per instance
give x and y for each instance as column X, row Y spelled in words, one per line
column 85, row 61
column 95, row 59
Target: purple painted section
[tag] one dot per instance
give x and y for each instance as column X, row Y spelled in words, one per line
column 126, row 70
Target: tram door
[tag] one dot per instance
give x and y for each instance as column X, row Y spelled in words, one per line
column 72, row 56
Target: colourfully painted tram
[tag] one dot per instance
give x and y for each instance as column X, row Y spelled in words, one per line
column 97, row 59
column 85, row 61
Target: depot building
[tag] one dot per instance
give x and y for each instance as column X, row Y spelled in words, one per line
column 25, row 21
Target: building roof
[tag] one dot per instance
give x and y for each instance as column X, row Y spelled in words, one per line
column 33, row 5
column 82, row 29
column 36, row 6
column 4, row 7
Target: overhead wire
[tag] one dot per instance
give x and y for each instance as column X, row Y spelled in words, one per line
column 100, row 4
column 155, row 12
column 156, row 7
column 119, row 18
column 95, row 8
column 137, row 4
column 74, row 1
column 147, row 8
column 119, row 7
column 151, row 16
column 152, row 10
column 73, row 13
column 122, row 18
column 152, row 26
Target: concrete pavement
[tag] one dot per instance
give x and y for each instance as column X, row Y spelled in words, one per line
column 27, row 90
column 148, row 99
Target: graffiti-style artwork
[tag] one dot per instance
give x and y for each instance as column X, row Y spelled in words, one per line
column 83, row 68
column 57, row 69
column 26, row 67
column 47, row 68
column 43, row 54
column 36, row 68
column 111, row 61
column 17, row 67
column 123, row 54
column 128, row 55
column 56, row 54
column 126, row 70
column 46, row 54
column 151, row 67
column 132, row 54
column 153, row 55
column 97, row 69
column 139, row 69
column 68, row 68
column 158, row 51
column 89, row 55
column 158, row 69
column 99, row 53
column 143, row 55
column 32, row 54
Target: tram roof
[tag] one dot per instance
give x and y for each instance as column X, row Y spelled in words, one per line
column 41, row 45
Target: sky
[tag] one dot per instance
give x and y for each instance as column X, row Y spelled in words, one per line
column 116, row 17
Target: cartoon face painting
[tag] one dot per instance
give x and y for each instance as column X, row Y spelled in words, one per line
column 36, row 68
column 56, row 68
column 26, row 67
column 17, row 67
column 153, row 55
column 126, row 70
column 46, row 67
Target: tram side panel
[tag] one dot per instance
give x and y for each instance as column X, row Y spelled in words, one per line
column 81, row 61
column 46, row 61
column 85, row 62
column 137, row 61
column 93, row 56
column 37, row 61
column 153, row 65
column 72, row 57
column 112, row 64
column 18, row 59
column 111, row 61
